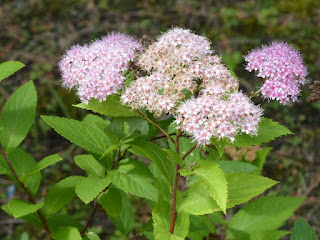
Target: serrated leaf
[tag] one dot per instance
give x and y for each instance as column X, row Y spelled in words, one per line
column 303, row 231
column 90, row 187
column 268, row 130
column 242, row 187
column 199, row 201
column 111, row 201
column 157, row 155
column 236, row 166
column 67, row 233
column 83, row 134
column 134, row 177
column 47, row 161
column 61, row 194
column 17, row 116
column 181, row 228
column 89, row 164
column 8, row 68
column 125, row 220
column 111, row 107
column 23, row 163
column 20, row 208
column 266, row 213
column 267, row 235
column 214, row 180
column 174, row 156
column 32, row 218
column 97, row 120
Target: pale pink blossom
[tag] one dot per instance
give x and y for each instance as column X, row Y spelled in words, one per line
column 282, row 67
column 96, row 70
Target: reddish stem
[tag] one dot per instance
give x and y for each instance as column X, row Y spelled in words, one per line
column 31, row 199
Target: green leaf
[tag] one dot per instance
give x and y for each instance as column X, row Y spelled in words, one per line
column 236, row 166
column 303, row 231
column 182, row 225
column 60, row 220
column 157, row 155
column 93, row 236
column 20, row 208
column 267, row 235
column 242, row 187
column 200, row 227
column 83, row 134
column 111, row 107
column 134, row 177
column 61, row 194
column 17, row 116
column 4, row 168
column 268, row 130
column 97, row 120
column 128, row 127
column 185, row 144
column 32, row 218
column 125, row 220
column 8, row 68
column 90, row 187
column 89, row 164
column 111, row 201
column 214, row 180
column 266, row 213
column 47, row 161
column 261, row 158
column 199, row 201
column 67, row 233
column 174, row 156
column 23, row 163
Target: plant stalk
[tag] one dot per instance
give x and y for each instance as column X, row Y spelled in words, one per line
column 30, row 198
column 156, row 125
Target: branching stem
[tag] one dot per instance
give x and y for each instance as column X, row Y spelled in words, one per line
column 156, row 125
column 30, row 198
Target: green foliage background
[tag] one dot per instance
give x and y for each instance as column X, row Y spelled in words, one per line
column 36, row 32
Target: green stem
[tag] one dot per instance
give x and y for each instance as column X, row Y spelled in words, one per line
column 156, row 125
column 255, row 94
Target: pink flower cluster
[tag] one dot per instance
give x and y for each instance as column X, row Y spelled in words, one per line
column 283, row 69
column 179, row 63
column 218, row 114
column 96, row 70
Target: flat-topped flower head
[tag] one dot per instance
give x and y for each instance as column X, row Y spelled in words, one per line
column 96, row 70
column 219, row 114
column 283, row 69
column 178, row 64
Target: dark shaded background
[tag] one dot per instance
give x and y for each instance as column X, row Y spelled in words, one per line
column 36, row 32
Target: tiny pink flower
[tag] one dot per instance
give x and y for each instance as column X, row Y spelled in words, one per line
column 95, row 70
column 283, row 69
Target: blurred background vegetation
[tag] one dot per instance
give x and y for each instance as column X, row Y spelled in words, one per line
column 36, row 32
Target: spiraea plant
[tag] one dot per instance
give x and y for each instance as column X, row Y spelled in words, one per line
column 160, row 118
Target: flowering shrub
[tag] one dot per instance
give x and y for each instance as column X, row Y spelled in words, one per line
column 179, row 110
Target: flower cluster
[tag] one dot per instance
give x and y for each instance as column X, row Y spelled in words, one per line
column 96, row 70
column 178, row 64
column 283, row 69
column 220, row 114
